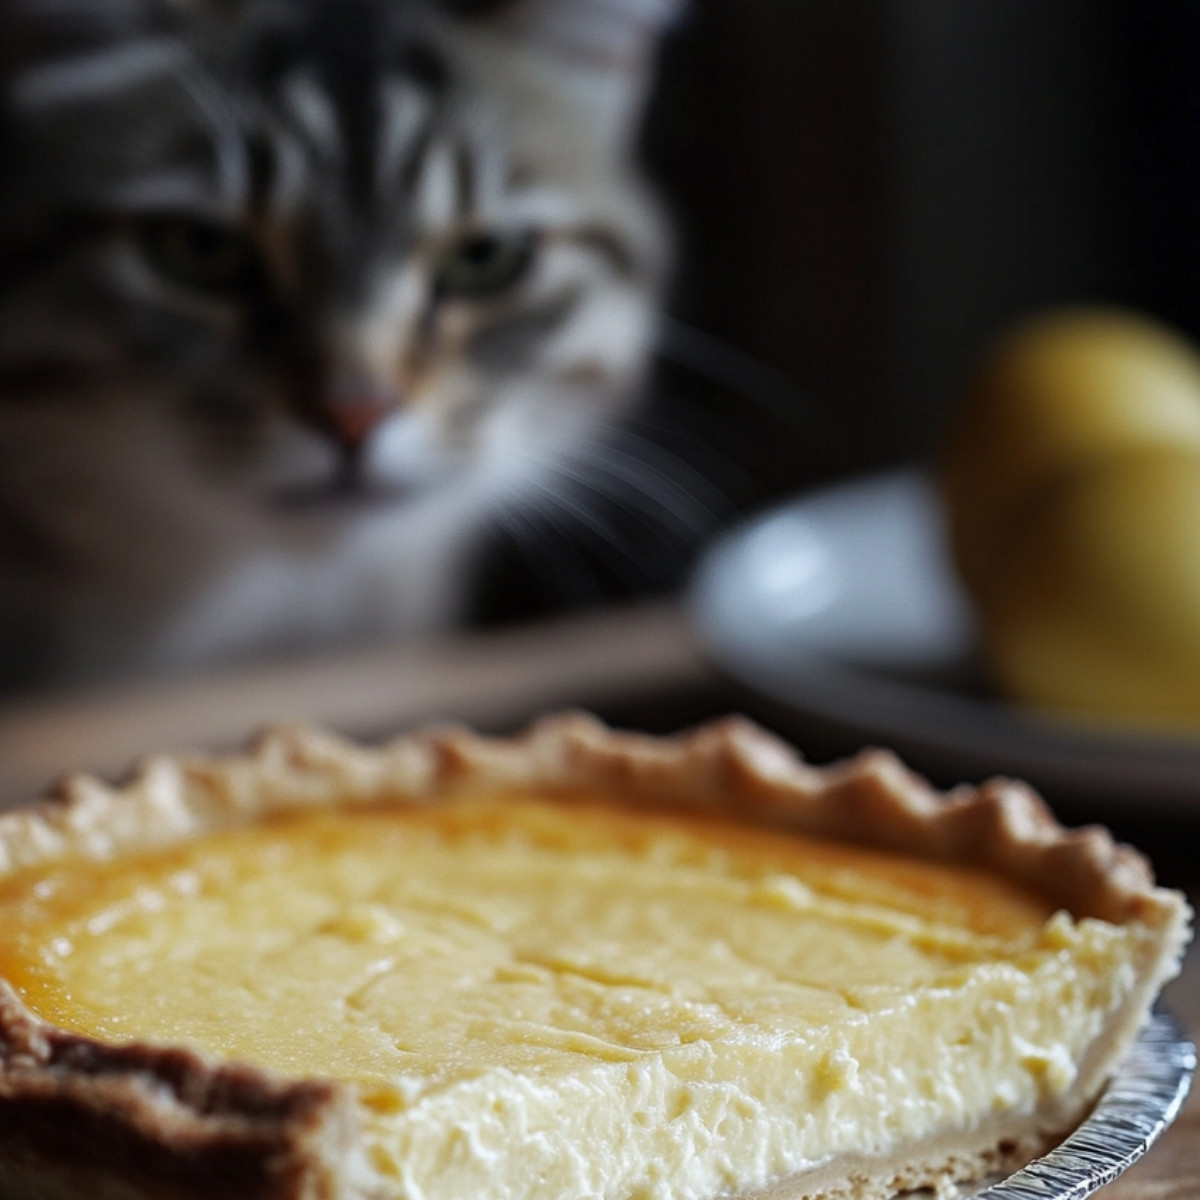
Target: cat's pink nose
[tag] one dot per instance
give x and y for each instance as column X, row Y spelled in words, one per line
column 353, row 409
column 352, row 422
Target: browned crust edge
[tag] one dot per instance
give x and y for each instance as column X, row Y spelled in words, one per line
column 172, row 1120
column 730, row 767
column 186, row 1127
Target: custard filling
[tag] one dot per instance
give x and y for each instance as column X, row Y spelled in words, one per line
column 543, row 998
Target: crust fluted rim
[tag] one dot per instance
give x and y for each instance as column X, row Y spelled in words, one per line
column 730, row 767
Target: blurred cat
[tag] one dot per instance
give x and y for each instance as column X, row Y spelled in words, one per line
column 294, row 295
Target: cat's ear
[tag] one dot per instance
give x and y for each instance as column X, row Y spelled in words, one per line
column 610, row 35
column 597, row 55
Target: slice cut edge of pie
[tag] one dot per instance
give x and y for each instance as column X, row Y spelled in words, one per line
column 1003, row 966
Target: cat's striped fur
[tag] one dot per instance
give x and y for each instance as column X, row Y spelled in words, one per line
column 294, row 294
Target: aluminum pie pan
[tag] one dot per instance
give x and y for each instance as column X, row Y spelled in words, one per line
column 1140, row 1102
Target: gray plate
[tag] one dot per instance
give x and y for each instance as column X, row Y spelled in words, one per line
column 1137, row 1106
column 841, row 607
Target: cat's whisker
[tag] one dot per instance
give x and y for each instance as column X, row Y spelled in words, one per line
column 613, row 549
column 562, row 564
column 677, row 533
column 699, row 509
column 772, row 391
column 641, row 542
column 668, row 468
column 560, row 501
column 638, row 475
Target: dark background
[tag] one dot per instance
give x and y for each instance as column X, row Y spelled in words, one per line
column 865, row 191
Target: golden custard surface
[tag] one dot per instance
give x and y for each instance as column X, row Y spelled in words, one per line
column 474, row 969
column 439, row 940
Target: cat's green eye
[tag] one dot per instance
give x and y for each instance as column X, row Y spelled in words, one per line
column 198, row 254
column 485, row 264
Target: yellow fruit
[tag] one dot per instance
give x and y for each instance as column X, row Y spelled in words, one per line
column 1059, row 393
column 1097, row 610
column 1072, row 485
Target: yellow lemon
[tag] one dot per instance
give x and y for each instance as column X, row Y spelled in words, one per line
column 1060, row 392
column 1097, row 610
column 1072, row 483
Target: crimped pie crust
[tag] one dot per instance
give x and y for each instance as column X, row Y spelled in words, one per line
column 79, row 1118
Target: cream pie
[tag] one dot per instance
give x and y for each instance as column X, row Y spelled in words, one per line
column 575, row 963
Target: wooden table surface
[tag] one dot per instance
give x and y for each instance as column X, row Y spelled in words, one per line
column 637, row 666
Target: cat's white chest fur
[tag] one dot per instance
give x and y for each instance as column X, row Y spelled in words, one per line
column 374, row 574
column 283, row 560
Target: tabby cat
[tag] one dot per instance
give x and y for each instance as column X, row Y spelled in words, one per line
column 295, row 295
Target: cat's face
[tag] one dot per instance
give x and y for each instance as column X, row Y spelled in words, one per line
column 302, row 248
